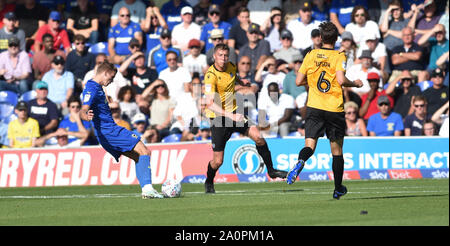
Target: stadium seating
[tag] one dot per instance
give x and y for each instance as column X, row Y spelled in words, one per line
column 6, row 110
column 9, row 97
column 27, row 96
column 172, row 138
column 100, row 47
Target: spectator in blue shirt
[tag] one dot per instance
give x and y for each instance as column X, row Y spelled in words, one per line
column 215, row 23
column 121, row 34
column 152, row 27
column 157, row 56
column 438, row 43
column 77, row 129
column 341, row 11
column 171, row 11
column 385, row 123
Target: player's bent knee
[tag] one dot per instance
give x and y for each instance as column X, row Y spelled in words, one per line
column 141, row 149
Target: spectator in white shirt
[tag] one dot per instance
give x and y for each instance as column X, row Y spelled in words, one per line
column 301, row 27
column 186, row 30
column 175, row 76
column 278, row 108
column 195, row 61
column 361, row 25
column 361, row 70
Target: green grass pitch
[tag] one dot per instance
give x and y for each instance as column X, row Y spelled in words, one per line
column 414, row 202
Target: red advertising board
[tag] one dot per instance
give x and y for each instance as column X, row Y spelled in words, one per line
column 94, row 166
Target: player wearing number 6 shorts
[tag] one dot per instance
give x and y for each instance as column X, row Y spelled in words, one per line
column 324, row 71
column 222, row 108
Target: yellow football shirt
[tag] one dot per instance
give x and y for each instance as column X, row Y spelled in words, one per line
column 320, row 66
column 221, row 84
column 23, row 134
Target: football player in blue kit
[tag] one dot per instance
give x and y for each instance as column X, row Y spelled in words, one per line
column 113, row 138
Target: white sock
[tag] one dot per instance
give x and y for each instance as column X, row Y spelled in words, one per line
column 147, row 187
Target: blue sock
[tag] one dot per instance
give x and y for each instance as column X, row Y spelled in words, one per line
column 143, row 171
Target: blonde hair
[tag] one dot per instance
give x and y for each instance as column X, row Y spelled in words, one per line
column 351, row 104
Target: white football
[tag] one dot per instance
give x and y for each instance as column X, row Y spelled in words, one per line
column 171, row 188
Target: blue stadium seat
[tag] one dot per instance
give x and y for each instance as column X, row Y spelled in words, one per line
column 9, row 97
column 6, row 110
column 9, row 118
column 172, row 138
column 27, row 96
column 100, row 47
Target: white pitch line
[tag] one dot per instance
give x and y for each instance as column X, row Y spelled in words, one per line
column 233, row 193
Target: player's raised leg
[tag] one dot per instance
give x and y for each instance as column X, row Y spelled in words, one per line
column 303, row 156
column 141, row 155
column 264, row 152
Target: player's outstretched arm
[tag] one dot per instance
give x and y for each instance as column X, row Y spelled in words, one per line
column 86, row 113
column 344, row 81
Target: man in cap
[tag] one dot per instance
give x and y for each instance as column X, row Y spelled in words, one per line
column 157, row 56
column 361, row 71
column 437, row 95
column 43, row 109
column 9, row 29
column 186, row 30
column 195, row 61
column 378, row 53
column 385, row 122
column 23, row 131
column 171, row 11
column 216, row 38
column 215, row 23
column 257, row 49
column 403, row 90
column 15, row 67
column 301, row 28
column 120, row 36
column 59, row 34
column 369, row 99
column 287, row 52
column 60, row 83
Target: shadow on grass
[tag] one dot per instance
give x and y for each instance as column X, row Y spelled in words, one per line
column 394, row 197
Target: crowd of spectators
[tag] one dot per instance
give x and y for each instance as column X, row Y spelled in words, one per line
column 398, row 48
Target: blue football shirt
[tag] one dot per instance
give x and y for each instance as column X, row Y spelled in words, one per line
column 123, row 36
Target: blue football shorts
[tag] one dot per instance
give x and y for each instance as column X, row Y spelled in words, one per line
column 117, row 140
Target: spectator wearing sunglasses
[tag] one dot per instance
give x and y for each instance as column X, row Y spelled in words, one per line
column 120, row 36
column 43, row 109
column 385, row 122
column 257, row 49
column 414, row 123
column 136, row 8
column 23, row 131
column 217, row 37
column 60, row 84
column 214, row 23
column 403, row 90
column 79, row 61
column 15, row 68
column 9, row 30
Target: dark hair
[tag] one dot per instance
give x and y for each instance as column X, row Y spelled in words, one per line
column 47, row 35
column 355, row 9
column 396, row 3
column 124, row 90
column 171, row 52
column 328, row 32
column 242, row 9
column 221, row 47
column 72, row 99
column 79, row 37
